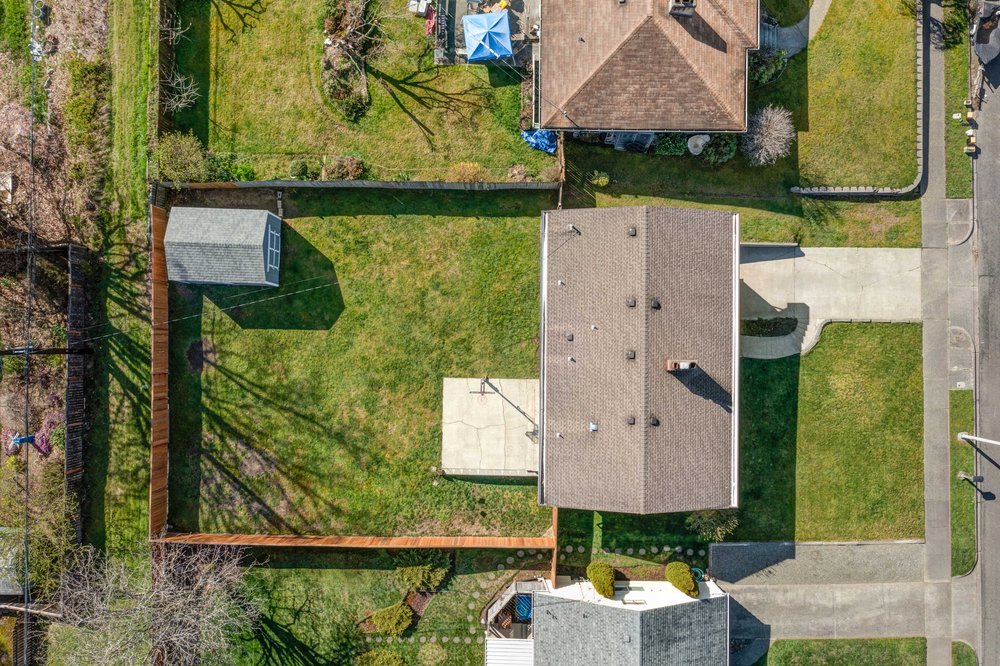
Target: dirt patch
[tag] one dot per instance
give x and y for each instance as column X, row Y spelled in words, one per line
column 253, row 199
column 418, row 602
column 199, row 354
column 253, row 464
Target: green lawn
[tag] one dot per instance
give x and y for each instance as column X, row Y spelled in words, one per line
column 319, row 410
column 831, row 443
column 261, row 97
column 760, row 196
column 963, row 655
column 309, row 597
column 956, row 80
column 963, row 493
column 884, row 652
column 637, row 546
column 856, row 91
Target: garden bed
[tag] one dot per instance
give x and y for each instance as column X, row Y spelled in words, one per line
column 262, row 99
column 318, row 409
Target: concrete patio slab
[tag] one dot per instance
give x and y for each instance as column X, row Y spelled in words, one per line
column 483, row 435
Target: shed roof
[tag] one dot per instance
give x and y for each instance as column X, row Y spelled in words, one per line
column 640, row 68
column 217, row 245
column 599, row 284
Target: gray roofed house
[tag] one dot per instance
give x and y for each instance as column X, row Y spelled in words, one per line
column 223, row 246
column 627, row 292
column 648, row 623
column 645, row 623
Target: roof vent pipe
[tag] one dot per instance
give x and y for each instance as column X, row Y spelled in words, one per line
column 682, row 8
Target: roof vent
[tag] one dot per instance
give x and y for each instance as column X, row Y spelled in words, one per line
column 569, row 337
column 682, row 8
column 653, row 421
column 680, row 366
column 655, row 304
column 593, row 427
column 630, row 355
column 561, row 282
column 630, row 420
column 631, row 231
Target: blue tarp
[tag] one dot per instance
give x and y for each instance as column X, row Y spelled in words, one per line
column 540, row 140
column 522, row 607
column 487, row 36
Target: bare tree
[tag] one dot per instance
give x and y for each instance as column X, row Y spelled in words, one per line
column 180, row 91
column 172, row 29
column 769, row 136
column 185, row 607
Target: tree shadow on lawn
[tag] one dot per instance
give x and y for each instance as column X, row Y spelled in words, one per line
column 208, row 427
column 429, row 203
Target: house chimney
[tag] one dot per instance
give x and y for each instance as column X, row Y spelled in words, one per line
column 682, row 8
column 674, row 365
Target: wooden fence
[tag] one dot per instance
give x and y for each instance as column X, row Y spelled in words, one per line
column 159, row 392
column 76, row 394
column 160, row 441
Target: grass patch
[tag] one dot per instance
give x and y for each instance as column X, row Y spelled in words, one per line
column 858, row 126
column 117, row 477
column 958, row 165
column 963, row 655
column 320, row 412
column 310, row 595
column 832, row 444
column 963, row 493
column 261, row 97
column 767, row 211
column 14, row 27
column 844, row 652
column 787, row 12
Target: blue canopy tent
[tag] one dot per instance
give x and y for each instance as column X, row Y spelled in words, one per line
column 487, row 36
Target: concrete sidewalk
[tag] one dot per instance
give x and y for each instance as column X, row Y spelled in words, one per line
column 788, row 563
column 821, row 284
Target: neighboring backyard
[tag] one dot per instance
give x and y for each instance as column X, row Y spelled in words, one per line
column 261, row 97
column 963, row 493
column 852, row 94
column 846, row 652
column 316, row 407
column 955, row 40
column 312, row 600
column 831, row 443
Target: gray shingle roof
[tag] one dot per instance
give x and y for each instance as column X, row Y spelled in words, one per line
column 687, row 261
column 571, row 632
column 219, row 246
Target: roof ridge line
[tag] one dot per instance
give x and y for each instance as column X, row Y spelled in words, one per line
column 695, row 71
column 601, row 65
column 647, row 361
column 731, row 21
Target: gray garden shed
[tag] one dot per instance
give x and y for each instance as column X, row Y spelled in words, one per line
column 223, row 246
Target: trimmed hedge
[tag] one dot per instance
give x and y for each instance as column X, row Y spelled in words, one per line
column 380, row 657
column 602, row 577
column 680, row 576
column 393, row 620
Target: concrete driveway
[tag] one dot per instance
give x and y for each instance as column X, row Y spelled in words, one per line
column 817, row 285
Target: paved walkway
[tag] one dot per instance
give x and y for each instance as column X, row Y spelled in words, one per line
column 795, row 38
column 820, row 284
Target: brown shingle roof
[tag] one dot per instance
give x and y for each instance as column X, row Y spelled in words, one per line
column 633, row 66
column 685, row 259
